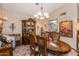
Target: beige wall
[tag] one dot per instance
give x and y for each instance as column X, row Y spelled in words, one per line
column 71, row 10
column 41, row 24
column 78, row 9
column 38, row 27
column 11, row 18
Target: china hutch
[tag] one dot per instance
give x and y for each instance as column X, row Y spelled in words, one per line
column 77, row 40
column 78, row 34
column 28, row 26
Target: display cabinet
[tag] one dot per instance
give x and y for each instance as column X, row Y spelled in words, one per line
column 28, row 26
column 78, row 35
column 77, row 40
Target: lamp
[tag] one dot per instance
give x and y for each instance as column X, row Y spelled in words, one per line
column 1, row 21
column 41, row 14
column 78, row 26
column 1, row 15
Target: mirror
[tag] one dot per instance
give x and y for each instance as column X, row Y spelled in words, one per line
column 53, row 25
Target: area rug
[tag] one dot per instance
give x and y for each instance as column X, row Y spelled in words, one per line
column 22, row 50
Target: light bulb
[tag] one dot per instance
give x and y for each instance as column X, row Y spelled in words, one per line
column 45, row 14
column 35, row 16
column 39, row 13
column 0, row 21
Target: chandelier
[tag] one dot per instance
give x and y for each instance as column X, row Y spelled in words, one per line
column 41, row 14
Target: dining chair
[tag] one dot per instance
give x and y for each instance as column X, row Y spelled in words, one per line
column 42, row 43
column 34, row 48
column 55, row 36
column 6, row 50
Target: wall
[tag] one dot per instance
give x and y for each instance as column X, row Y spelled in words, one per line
column 12, row 17
column 71, row 14
column 78, row 9
column 41, row 24
column 38, row 27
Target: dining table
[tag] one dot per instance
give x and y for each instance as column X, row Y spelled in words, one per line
column 59, row 47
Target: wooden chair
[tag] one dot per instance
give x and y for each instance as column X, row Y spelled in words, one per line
column 54, row 36
column 33, row 46
column 6, row 50
column 42, row 43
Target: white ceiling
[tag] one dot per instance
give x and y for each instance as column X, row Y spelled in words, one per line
column 30, row 8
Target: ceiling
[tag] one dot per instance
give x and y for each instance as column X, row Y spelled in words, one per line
column 30, row 8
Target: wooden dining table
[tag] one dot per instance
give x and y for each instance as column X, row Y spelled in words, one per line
column 62, row 47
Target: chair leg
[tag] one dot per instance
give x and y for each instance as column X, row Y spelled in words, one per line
column 38, row 53
column 32, row 53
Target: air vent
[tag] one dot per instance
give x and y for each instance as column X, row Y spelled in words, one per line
column 64, row 13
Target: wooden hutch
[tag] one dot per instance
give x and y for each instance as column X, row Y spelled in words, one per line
column 28, row 26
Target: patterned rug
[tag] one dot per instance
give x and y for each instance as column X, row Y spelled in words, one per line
column 22, row 50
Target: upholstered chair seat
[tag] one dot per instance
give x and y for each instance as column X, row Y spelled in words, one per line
column 54, row 36
column 36, row 48
column 53, row 44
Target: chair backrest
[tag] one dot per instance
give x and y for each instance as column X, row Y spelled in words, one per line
column 32, row 40
column 42, row 43
column 46, row 34
column 6, row 50
column 55, row 36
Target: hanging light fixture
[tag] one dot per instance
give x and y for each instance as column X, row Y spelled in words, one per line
column 41, row 14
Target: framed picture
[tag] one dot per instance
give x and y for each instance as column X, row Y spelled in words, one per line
column 66, row 29
column 53, row 25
